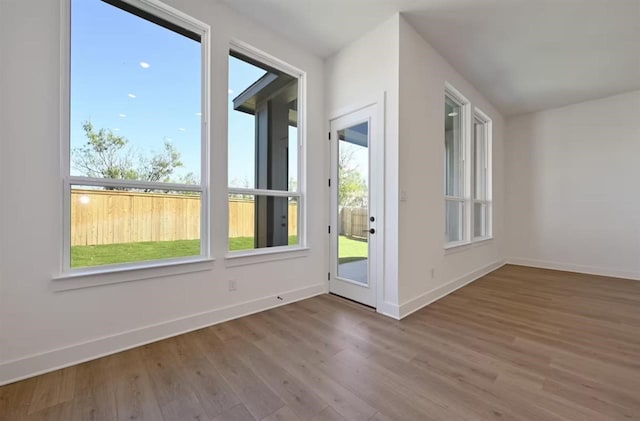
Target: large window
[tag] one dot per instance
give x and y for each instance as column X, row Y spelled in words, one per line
column 455, row 142
column 481, row 176
column 264, row 145
column 136, row 182
column 467, row 178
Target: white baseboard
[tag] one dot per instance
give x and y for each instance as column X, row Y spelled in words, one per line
column 389, row 310
column 435, row 294
column 569, row 267
column 33, row 365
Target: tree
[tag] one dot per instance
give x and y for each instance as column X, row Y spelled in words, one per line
column 352, row 187
column 240, row 183
column 105, row 156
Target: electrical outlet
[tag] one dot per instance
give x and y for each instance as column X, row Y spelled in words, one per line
column 233, row 285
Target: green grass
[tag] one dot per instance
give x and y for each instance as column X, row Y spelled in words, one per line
column 108, row 254
column 351, row 250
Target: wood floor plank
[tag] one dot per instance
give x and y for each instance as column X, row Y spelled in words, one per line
column 183, row 407
column 329, row 414
column 52, row 389
column 377, row 390
column 283, row 414
column 300, row 398
column 260, row 400
column 306, row 369
column 59, row 412
column 521, row 343
column 94, row 397
column 135, row 399
column 214, row 394
column 15, row 399
column 237, row 413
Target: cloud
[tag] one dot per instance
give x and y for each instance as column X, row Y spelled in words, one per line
column 131, row 95
column 144, row 65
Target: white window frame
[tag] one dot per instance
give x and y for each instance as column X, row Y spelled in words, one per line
column 487, row 124
column 300, row 192
column 185, row 21
column 465, row 107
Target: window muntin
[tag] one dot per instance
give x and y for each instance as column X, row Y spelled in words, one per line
column 263, row 154
column 135, row 129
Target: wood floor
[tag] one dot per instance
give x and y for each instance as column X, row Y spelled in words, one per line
column 518, row 344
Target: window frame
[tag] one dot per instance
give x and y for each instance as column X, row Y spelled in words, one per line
column 482, row 118
column 182, row 20
column 468, row 118
column 465, row 106
column 266, row 59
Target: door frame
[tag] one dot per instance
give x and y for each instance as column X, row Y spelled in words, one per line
column 377, row 179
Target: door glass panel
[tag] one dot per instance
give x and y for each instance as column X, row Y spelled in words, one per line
column 353, row 203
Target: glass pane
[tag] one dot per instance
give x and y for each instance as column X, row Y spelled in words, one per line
column 454, row 223
column 262, row 221
column 480, row 220
column 263, row 126
column 453, row 158
column 479, row 162
column 129, row 225
column 135, row 97
column 353, row 203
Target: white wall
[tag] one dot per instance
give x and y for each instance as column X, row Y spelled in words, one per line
column 41, row 328
column 573, row 187
column 359, row 75
column 423, row 73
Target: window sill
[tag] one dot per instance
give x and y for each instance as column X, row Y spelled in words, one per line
column 250, row 257
column 107, row 275
column 466, row 245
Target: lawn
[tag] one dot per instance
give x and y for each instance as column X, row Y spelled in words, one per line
column 83, row 256
column 351, row 250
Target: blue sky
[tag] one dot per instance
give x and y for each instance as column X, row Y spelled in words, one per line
column 142, row 81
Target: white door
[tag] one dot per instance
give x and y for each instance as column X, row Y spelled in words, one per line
column 355, row 219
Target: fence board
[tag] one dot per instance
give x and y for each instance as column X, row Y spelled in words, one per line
column 354, row 222
column 113, row 216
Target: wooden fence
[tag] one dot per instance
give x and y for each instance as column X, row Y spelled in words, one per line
column 354, row 222
column 242, row 218
column 112, row 216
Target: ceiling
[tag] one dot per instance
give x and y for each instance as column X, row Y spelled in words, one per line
column 522, row 55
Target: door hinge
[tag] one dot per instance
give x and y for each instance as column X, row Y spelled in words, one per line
column 329, row 135
column 329, row 229
column 328, row 276
column 329, row 182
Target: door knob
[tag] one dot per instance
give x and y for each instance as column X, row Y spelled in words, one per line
column 372, row 231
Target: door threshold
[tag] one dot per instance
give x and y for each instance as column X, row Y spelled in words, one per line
column 353, row 302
